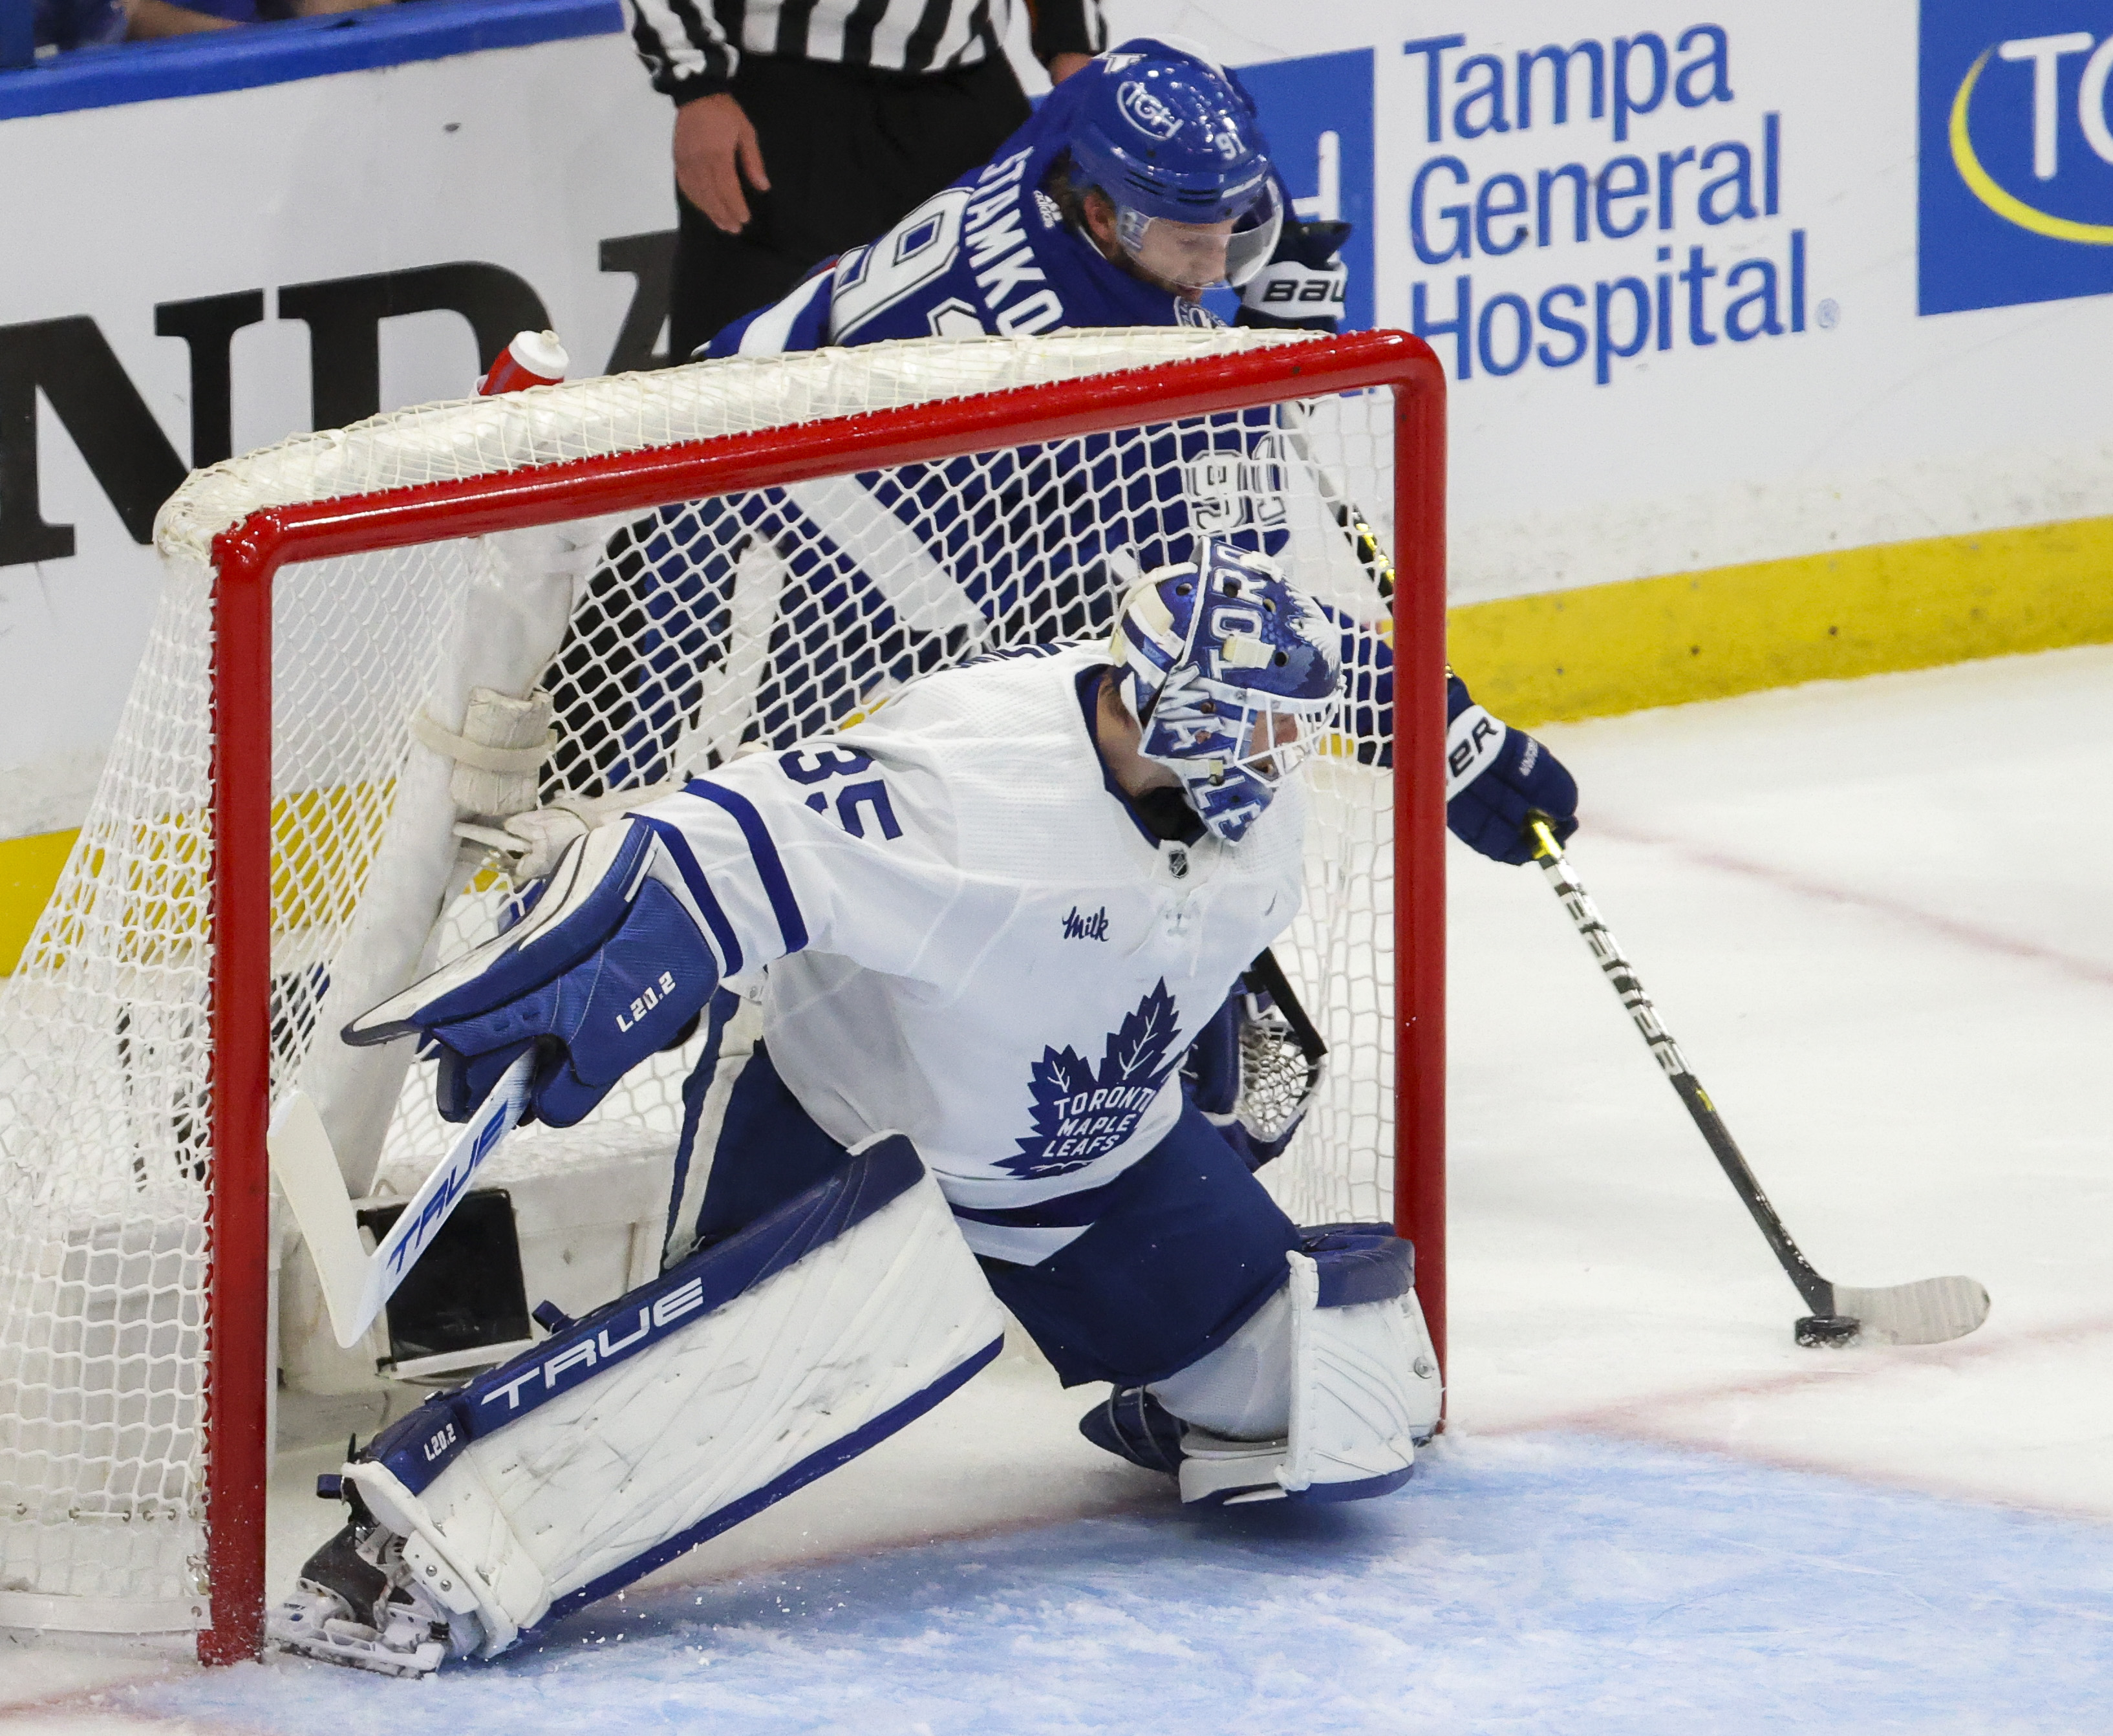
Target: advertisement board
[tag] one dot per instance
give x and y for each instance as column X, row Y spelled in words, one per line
column 2016, row 190
column 1750, row 383
column 1775, row 331
column 193, row 276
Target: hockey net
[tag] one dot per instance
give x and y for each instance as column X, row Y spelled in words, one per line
column 689, row 563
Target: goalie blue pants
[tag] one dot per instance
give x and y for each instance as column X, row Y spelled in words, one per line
column 1126, row 1282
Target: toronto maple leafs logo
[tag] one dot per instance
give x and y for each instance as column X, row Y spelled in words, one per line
column 1082, row 1113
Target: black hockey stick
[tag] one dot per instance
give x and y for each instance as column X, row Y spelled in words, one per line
column 1366, row 548
column 1927, row 1312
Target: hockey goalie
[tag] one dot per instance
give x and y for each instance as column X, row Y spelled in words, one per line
column 973, row 976
column 950, row 963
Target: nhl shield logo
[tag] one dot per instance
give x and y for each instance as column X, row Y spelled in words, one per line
column 1146, row 112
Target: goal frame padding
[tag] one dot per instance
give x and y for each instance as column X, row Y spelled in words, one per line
column 247, row 556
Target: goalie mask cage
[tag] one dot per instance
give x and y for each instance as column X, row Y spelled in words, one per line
column 734, row 552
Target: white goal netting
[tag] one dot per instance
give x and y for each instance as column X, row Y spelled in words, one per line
column 666, row 639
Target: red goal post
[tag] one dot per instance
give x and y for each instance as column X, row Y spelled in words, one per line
column 247, row 556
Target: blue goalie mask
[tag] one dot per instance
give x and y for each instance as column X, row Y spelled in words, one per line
column 1174, row 145
column 1232, row 672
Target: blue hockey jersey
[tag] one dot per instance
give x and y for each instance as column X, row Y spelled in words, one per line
column 932, row 561
column 991, row 254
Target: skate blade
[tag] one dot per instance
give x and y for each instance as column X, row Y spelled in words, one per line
column 310, row 1627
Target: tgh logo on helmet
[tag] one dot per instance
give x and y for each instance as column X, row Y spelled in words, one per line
column 1146, row 112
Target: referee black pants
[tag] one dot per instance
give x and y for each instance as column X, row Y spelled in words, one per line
column 849, row 150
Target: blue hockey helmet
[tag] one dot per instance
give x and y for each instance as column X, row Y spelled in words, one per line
column 1174, row 146
column 1232, row 672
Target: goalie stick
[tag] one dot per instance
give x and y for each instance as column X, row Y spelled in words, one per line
column 1930, row 1311
column 356, row 1284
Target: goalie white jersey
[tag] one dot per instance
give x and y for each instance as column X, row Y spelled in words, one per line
column 964, row 933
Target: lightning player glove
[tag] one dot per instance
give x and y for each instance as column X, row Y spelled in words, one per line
column 610, row 964
column 1495, row 776
column 1302, row 285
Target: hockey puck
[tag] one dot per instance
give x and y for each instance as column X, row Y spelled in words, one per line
column 1828, row 1329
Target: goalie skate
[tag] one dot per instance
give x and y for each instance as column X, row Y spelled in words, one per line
column 314, row 1625
column 359, row 1602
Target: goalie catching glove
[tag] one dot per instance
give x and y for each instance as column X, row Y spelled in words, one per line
column 610, row 965
column 1255, row 1067
column 1497, row 777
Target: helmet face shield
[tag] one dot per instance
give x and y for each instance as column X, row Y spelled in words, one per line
column 1201, row 256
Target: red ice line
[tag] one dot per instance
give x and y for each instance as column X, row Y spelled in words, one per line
column 1950, row 928
column 1631, row 1419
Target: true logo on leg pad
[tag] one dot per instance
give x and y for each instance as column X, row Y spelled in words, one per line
column 757, row 1365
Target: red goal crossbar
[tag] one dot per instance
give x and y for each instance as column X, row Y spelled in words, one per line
column 247, row 556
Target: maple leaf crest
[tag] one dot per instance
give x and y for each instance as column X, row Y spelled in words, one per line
column 1081, row 1113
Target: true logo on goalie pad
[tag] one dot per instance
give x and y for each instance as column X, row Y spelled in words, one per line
column 585, row 1354
column 417, row 1448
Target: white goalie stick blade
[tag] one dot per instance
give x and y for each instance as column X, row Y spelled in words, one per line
column 1933, row 1311
column 356, row 1284
column 306, row 1166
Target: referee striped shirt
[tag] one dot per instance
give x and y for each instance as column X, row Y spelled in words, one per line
column 692, row 47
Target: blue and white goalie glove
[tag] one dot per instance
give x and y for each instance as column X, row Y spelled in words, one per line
column 610, row 964
column 1496, row 777
column 1303, row 285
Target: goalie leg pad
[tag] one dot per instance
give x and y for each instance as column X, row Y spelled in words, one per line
column 1364, row 1386
column 746, row 1371
column 1242, row 1389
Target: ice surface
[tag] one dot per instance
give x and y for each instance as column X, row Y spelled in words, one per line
column 1554, row 1586
column 1875, row 916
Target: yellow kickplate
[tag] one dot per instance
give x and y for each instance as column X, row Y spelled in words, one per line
column 29, row 868
column 1603, row 649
